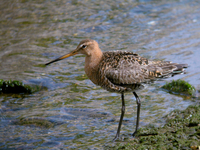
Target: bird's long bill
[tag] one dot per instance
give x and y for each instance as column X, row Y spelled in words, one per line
column 74, row 52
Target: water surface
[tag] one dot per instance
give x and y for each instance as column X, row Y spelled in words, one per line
column 34, row 32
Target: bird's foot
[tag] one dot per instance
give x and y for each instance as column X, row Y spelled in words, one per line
column 134, row 133
column 117, row 137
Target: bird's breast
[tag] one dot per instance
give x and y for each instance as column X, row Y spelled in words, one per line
column 92, row 74
column 92, row 64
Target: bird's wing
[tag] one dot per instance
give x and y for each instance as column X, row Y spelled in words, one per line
column 130, row 74
column 137, row 70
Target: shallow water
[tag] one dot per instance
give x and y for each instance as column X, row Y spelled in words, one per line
column 34, row 32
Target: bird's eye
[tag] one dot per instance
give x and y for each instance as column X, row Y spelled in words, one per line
column 84, row 46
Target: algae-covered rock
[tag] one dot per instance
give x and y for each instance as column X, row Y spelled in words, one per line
column 181, row 131
column 180, row 87
column 16, row 87
column 36, row 121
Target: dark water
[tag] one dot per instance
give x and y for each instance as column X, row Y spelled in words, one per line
column 35, row 32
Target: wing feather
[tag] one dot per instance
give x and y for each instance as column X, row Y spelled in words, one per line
column 129, row 68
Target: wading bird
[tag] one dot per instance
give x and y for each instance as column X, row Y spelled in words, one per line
column 121, row 71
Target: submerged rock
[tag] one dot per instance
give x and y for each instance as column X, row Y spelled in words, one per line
column 37, row 121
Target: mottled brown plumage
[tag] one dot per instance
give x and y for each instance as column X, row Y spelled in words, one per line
column 121, row 71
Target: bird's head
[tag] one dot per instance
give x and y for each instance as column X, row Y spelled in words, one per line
column 87, row 47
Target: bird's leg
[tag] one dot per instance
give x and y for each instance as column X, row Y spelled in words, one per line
column 138, row 112
column 121, row 117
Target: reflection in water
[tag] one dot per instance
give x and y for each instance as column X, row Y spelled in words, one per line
column 32, row 33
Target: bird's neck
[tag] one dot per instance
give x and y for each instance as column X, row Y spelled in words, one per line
column 92, row 65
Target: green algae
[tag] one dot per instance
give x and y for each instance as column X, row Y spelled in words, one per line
column 40, row 65
column 16, row 87
column 39, row 122
column 180, row 86
column 44, row 42
column 182, row 131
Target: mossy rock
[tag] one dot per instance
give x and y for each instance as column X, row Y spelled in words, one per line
column 182, row 131
column 180, row 87
column 16, row 87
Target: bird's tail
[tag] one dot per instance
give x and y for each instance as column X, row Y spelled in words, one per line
column 180, row 68
column 172, row 69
